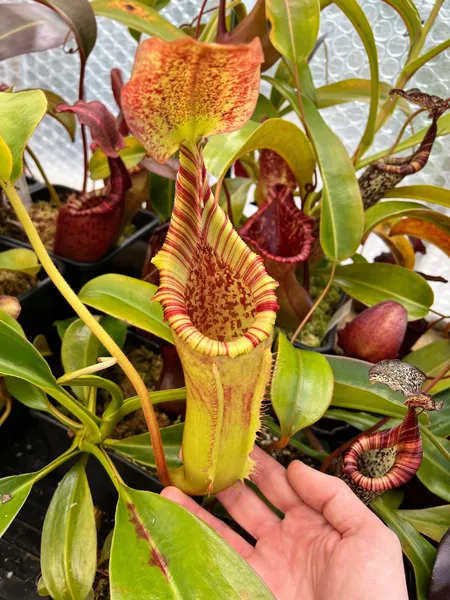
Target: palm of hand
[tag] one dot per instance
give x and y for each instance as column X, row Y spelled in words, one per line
column 328, row 545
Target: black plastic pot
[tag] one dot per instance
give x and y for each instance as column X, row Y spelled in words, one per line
column 41, row 305
column 127, row 258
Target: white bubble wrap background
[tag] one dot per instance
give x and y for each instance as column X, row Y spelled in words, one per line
column 347, row 59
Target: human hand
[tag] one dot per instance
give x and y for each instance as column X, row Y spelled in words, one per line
column 329, row 546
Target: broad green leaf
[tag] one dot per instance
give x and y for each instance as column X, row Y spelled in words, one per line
column 6, row 160
column 440, row 419
column 238, row 188
column 79, row 349
column 356, row 15
column 354, row 90
column 353, row 390
column 302, row 387
column 306, row 82
column 282, row 74
column 283, row 137
column 294, row 26
column 342, row 217
column 139, row 448
column 128, row 299
column 358, row 419
column 131, row 155
column 62, row 325
column 443, row 129
column 420, row 552
column 20, row 114
column 138, row 16
column 432, row 522
column 20, row 259
column 162, row 196
column 385, row 211
column 81, row 20
column 427, row 193
column 69, row 539
column 376, row 282
column 28, row 394
column 13, row 493
column 434, row 472
column 431, row 359
column 200, row 565
column 19, row 358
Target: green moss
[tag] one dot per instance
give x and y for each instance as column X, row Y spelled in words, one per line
column 13, row 283
column 314, row 331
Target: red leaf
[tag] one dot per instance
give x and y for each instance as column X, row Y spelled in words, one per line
column 103, row 126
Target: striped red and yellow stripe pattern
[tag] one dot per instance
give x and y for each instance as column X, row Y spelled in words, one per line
column 405, row 437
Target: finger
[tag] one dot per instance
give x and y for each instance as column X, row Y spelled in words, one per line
column 332, row 497
column 271, row 478
column 248, row 510
column 234, row 539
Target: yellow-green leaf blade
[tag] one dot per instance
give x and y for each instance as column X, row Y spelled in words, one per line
column 427, row 193
column 13, row 493
column 128, row 299
column 69, row 539
column 20, row 114
column 6, row 160
column 302, row 387
column 200, row 565
column 376, row 282
column 20, row 259
column 294, row 27
column 138, row 16
column 283, row 137
column 342, row 219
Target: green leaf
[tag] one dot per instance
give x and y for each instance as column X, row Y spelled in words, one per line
column 131, row 155
column 19, row 358
column 79, row 349
column 69, row 539
column 354, row 90
column 81, row 20
column 410, row 16
column 427, row 193
column 376, row 282
column 431, row 359
column 356, row 15
column 410, row 68
column 282, row 74
column 302, row 387
column 341, row 222
column 440, row 419
column 28, row 394
column 283, row 137
column 6, row 318
column 420, row 552
column 20, row 259
column 139, row 448
column 384, row 211
column 162, row 196
column 432, row 522
column 128, row 299
column 353, row 390
column 13, row 493
column 200, row 565
column 294, row 26
column 20, row 114
column 6, row 160
column 264, row 109
column 66, row 119
column 443, row 129
column 434, row 470
column 62, row 325
column 138, row 16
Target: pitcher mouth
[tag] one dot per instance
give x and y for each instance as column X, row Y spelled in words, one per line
column 215, row 292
